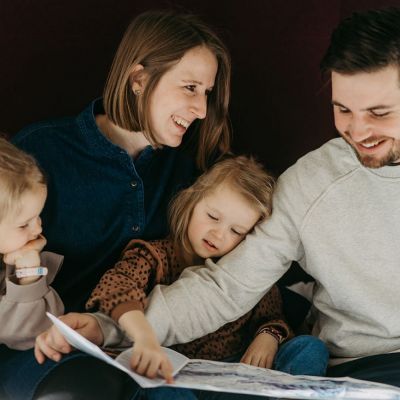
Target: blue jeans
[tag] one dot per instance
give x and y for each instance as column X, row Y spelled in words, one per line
column 303, row 355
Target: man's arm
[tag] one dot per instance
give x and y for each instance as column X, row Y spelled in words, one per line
column 206, row 297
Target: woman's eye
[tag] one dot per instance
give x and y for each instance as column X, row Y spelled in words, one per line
column 191, row 88
column 343, row 110
column 237, row 233
column 212, row 217
column 23, row 226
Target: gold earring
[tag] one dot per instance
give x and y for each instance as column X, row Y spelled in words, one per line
column 137, row 92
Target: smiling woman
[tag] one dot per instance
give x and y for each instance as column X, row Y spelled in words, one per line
column 113, row 169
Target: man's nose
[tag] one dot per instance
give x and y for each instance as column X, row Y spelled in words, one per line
column 358, row 129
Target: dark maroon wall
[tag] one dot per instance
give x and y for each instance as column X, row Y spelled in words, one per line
column 55, row 56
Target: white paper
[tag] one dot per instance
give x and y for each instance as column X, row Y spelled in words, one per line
column 122, row 361
column 239, row 378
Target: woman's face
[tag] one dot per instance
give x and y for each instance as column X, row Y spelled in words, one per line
column 181, row 95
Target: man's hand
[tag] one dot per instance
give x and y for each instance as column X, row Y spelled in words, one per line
column 52, row 344
column 261, row 352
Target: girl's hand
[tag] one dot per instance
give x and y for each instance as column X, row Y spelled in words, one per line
column 149, row 359
column 261, row 352
column 52, row 344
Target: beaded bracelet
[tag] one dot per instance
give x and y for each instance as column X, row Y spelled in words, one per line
column 274, row 332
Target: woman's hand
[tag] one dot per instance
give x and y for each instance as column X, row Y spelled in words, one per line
column 52, row 344
column 261, row 352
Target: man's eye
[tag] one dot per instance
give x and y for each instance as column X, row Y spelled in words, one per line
column 343, row 110
column 379, row 114
column 23, row 226
column 212, row 217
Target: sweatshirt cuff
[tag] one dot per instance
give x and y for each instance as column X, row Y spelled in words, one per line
column 26, row 293
column 113, row 336
column 123, row 308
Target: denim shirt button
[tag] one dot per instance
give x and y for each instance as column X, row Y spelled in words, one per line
column 134, row 184
column 136, row 228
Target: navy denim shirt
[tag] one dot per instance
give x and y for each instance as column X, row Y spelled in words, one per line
column 99, row 198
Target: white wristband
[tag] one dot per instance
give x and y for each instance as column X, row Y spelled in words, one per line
column 35, row 271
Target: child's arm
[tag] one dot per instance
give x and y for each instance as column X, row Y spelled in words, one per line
column 23, row 306
column 125, row 286
column 121, row 294
column 148, row 358
column 270, row 330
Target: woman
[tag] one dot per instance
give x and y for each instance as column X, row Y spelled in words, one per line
column 113, row 169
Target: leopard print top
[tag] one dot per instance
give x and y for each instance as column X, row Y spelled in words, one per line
column 145, row 264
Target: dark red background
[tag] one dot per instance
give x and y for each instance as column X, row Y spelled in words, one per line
column 55, row 56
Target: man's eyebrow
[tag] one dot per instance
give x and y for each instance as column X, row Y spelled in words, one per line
column 377, row 107
column 336, row 103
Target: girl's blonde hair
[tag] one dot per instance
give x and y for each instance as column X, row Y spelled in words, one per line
column 158, row 40
column 19, row 173
column 242, row 174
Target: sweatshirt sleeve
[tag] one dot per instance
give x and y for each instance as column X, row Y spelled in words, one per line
column 269, row 313
column 206, row 297
column 125, row 286
column 23, row 307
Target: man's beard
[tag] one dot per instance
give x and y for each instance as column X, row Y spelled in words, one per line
column 391, row 157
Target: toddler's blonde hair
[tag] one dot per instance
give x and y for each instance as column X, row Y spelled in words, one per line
column 242, row 174
column 19, row 173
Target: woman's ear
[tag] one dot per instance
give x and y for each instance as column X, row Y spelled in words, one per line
column 138, row 79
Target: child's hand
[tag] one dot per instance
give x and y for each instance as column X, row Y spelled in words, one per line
column 52, row 344
column 148, row 358
column 261, row 352
column 27, row 257
column 34, row 245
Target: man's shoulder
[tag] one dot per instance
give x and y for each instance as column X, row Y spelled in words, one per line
column 330, row 161
column 318, row 171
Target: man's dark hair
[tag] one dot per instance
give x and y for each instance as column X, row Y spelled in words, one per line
column 364, row 42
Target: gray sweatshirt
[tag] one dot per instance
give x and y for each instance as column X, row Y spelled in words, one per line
column 23, row 307
column 341, row 222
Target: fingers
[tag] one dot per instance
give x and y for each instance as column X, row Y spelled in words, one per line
column 167, row 371
column 151, row 365
column 257, row 359
column 36, row 244
column 86, row 325
column 43, row 350
column 51, row 344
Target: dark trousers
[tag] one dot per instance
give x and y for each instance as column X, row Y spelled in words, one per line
column 88, row 378
column 383, row 368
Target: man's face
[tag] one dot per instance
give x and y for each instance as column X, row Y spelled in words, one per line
column 367, row 114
